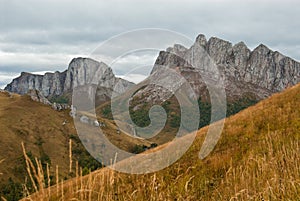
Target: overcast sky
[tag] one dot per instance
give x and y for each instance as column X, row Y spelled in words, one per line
column 44, row 35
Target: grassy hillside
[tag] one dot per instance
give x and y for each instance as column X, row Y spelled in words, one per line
column 257, row 158
column 46, row 134
column 38, row 126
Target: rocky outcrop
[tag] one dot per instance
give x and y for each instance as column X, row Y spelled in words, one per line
column 84, row 71
column 50, row 84
column 35, row 95
column 259, row 73
column 81, row 71
column 60, row 106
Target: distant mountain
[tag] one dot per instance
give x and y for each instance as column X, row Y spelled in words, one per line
column 80, row 71
column 256, row 74
column 249, row 76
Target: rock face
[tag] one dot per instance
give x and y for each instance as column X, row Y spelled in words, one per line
column 81, row 71
column 259, row 73
column 84, row 71
column 35, row 95
column 50, row 84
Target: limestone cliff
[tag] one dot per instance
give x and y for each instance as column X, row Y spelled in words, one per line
column 259, row 73
column 81, row 71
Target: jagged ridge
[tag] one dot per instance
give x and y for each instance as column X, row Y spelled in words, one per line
column 81, row 71
column 258, row 73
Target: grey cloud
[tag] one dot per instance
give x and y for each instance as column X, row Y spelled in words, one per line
column 6, row 77
column 138, row 63
column 44, row 35
column 135, row 78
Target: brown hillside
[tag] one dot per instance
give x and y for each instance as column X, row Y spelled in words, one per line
column 257, row 158
column 39, row 127
column 46, row 134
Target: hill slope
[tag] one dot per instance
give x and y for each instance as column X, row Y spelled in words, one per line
column 46, row 134
column 257, row 158
column 37, row 125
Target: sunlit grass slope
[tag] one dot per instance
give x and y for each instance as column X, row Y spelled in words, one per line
column 257, row 158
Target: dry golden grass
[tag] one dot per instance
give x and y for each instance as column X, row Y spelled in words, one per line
column 257, row 158
column 33, row 123
column 39, row 126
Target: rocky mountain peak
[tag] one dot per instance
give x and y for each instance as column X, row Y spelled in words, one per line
column 218, row 49
column 201, row 40
column 79, row 61
column 241, row 46
column 262, row 47
column 262, row 50
column 81, row 71
column 217, row 43
column 260, row 72
column 177, row 49
column 25, row 74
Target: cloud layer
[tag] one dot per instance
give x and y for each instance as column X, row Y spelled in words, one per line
column 45, row 35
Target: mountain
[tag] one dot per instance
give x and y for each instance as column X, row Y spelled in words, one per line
column 247, row 77
column 257, row 158
column 80, row 71
column 256, row 74
column 252, row 74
